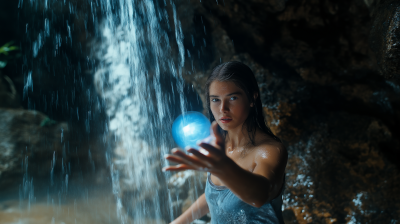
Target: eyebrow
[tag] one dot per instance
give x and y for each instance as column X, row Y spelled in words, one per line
column 234, row 93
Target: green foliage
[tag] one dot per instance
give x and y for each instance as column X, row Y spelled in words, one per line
column 47, row 122
column 7, row 53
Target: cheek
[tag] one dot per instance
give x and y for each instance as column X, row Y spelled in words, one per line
column 241, row 110
column 214, row 109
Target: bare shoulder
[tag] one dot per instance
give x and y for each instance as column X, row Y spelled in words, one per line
column 272, row 151
column 270, row 158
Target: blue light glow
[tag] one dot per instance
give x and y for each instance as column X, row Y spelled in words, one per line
column 189, row 128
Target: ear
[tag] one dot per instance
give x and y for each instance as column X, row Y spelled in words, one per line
column 255, row 95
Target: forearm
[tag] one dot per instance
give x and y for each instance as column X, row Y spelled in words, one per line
column 197, row 210
column 251, row 188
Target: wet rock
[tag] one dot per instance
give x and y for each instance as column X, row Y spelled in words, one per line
column 336, row 172
column 385, row 37
column 289, row 217
column 32, row 144
column 28, row 134
column 51, row 81
column 323, row 97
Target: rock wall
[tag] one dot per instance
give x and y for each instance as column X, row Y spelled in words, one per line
column 21, row 135
column 322, row 94
column 384, row 37
column 51, row 116
column 35, row 147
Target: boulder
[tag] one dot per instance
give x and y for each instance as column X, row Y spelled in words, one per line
column 30, row 136
column 32, row 145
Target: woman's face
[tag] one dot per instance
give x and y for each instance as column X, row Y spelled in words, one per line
column 229, row 104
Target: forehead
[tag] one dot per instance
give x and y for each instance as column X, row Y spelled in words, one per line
column 223, row 88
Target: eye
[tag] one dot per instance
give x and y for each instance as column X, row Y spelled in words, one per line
column 233, row 98
column 215, row 100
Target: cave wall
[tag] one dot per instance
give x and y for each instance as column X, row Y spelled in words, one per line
column 384, row 37
column 326, row 92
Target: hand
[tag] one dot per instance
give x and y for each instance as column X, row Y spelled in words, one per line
column 214, row 160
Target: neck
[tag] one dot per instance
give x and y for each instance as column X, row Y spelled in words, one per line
column 238, row 137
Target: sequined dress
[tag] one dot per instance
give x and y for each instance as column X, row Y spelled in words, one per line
column 226, row 208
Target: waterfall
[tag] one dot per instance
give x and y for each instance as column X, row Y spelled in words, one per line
column 140, row 78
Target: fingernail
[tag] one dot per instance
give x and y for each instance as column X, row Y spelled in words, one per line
column 164, row 169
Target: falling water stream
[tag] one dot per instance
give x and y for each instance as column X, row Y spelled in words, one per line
column 135, row 61
column 139, row 77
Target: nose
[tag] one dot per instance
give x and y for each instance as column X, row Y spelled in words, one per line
column 224, row 106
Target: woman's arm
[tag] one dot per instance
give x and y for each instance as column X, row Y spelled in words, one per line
column 197, row 210
column 254, row 188
column 263, row 184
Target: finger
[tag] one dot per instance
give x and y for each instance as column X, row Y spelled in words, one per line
column 205, row 159
column 180, row 167
column 219, row 139
column 188, row 159
column 177, row 159
column 174, row 159
column 214, row 152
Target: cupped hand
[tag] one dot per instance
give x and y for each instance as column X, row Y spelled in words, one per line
column 213, row 160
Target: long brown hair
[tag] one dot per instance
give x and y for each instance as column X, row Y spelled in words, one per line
column 243, row 77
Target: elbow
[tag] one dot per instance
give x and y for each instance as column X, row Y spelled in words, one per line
column 258, row 203
column 262, row 200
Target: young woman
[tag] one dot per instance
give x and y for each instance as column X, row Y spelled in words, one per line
column 245, row 161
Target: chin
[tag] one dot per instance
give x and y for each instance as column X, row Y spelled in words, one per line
column 225, row 127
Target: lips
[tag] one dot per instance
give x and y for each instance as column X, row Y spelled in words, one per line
column 225, row 119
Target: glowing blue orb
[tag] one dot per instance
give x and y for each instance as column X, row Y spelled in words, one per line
column 189, row 128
